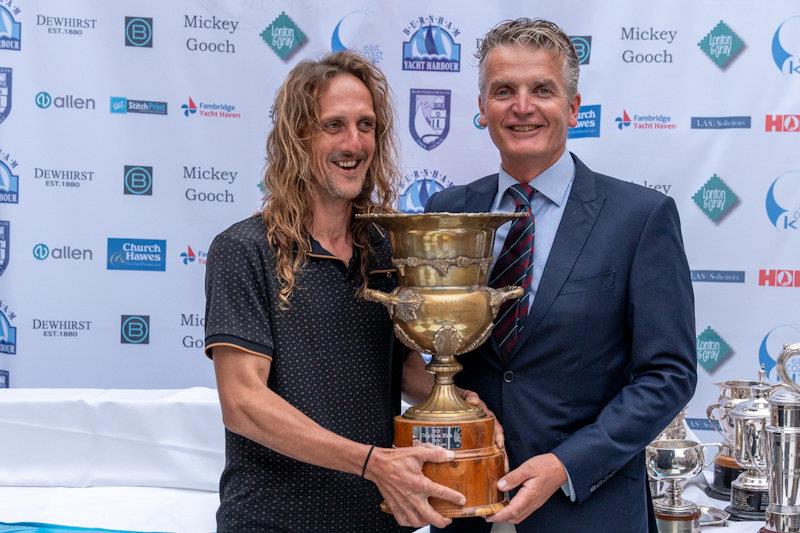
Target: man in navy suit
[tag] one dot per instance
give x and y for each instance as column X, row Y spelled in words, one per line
column 603, row 351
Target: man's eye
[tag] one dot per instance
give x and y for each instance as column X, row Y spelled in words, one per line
column 332, row 127
column 502, row 92
column 366, row 125
column 543, row 90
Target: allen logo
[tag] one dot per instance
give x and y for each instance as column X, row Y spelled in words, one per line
column 779, row 278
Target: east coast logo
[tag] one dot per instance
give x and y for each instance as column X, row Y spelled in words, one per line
column 8, row 333
column 783, row 201
column 283, row 36
column 5, row 93
column 711, row 349
column 588, row 123
column 721, row 45
column 429, row 119
column 715, row 198
column 431, row 45
column 137, row 254
column 123, row 105
column 786, row 46
column 645, row 122
column 418, row 185
column 771, row 346
column 134, row 329
column 10, row 29
column 782, row 123
column 583, row 47
column 214, row 110
column 5, row 244
column 353, row 32
column 9, row 182
column 139, row 32
column 189, row 256
column 720, row 123
column 779, row 278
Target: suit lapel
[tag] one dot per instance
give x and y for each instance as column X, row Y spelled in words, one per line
column 580, row 213
column 480, row 194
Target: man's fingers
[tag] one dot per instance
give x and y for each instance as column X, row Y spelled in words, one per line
column 511, row 512
column 512, row 479
column 434, row 454
column 499, row 436
column 444, row 493
column 429, row 516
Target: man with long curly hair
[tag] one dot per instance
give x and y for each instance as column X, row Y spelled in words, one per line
column 304, row 366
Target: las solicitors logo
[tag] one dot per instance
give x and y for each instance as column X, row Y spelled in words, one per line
column 779, row 278
column 210, row 110
column 5, row 244
column 9, row 182
column 196, row 321
column 72, row 26
column 355, row 32
column 283, row 36
column 5, row 92
column 10, row 29
column 8, row 332
column 429, row 120
column 214, row 26
column 718, row 276
column 720, row 123
column 190, row 257
column 588, row 123
column 42, row 251
column 652, row 44
column 786, row 46
column 137, row 254
column 645, row 122
column 783, row 201
column 61, row 328
column 121, row 105
column 770, row 349
column 431, row 45
column 417, row 186
column 210, row 176
column 43, row 100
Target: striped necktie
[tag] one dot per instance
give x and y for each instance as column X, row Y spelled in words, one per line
column 513, row 267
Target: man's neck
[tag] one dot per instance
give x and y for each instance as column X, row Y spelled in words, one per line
column 526, row 170
column 330, row 226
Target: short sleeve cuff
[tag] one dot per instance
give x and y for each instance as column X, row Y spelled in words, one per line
column 237, row 342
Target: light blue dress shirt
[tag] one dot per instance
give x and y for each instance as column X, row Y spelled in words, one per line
column 552, row 190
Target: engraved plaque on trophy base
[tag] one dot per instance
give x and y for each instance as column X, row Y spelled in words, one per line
column 725, row 471
column 747, row 503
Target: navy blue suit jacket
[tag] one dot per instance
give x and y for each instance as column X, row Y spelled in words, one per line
column 606, row 358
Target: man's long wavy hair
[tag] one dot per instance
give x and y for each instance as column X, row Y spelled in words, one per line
column 290, row 172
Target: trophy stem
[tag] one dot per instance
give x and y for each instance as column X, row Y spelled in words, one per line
column 675, row 493
column 444, row 402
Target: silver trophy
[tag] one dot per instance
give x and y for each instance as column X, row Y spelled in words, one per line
column 783, row 457
column 750, row 491
column 731, row 394
column 674, row 461
column 674, row 430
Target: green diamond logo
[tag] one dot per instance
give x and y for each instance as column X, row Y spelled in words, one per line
column 711, row 349
column 721, row 45
column 715, row 198
column 283, row 36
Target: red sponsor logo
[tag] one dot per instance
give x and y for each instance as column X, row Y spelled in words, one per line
column 779, row 278
column 782, row 123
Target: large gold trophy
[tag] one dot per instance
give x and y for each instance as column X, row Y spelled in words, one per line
column 443, row 307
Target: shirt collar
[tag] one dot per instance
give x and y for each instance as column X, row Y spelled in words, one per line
column 553, row 182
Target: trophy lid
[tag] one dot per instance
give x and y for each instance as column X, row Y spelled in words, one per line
column 758, row 404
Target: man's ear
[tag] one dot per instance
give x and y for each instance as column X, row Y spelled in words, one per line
column 574, row 106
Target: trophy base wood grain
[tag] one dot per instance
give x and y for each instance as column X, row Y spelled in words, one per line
column 478, row 465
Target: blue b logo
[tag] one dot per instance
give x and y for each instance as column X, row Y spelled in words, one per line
column 135, row 329
column 139, row 32
column 138, row 180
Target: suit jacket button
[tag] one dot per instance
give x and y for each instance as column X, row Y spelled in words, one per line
column 508, row 376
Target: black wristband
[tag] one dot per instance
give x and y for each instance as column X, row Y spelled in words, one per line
column 369, row 454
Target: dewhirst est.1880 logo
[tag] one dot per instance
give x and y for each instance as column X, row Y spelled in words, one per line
column 786, row 46
column 417, row 186
column 283, row 36
column 5, row 93
column 431, row 45
column 354, row 32
column 721, row 45
column 8, row 333
column 783, row 201
column 711, row 349
column 10, row 29
column 429, row 119
column 715, row 198
column 137, row 254
column 9, row 182
column 771, row 347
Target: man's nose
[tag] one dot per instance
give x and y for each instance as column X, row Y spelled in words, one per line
column 351, row 140
column 523, row 104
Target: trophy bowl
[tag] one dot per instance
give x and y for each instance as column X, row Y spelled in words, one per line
column 443, row 306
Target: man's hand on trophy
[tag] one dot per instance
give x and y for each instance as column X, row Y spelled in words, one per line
column 398, row 475
column 499, row 437
column 540, row 476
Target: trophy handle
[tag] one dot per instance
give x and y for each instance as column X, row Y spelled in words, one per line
column 498, row 296
column 789, row 350
column 402, row 303
column 748, row 427
column 718, row 445
column 718, row 425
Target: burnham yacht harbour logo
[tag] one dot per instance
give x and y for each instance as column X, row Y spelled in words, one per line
column 431, row 45
column 10, row 29
column 429, row 116
column 418, row 185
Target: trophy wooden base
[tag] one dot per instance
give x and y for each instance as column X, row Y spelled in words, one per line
column 725, row 471
column 478, row 465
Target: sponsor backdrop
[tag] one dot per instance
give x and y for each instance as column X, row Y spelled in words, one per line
column 131, row 133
